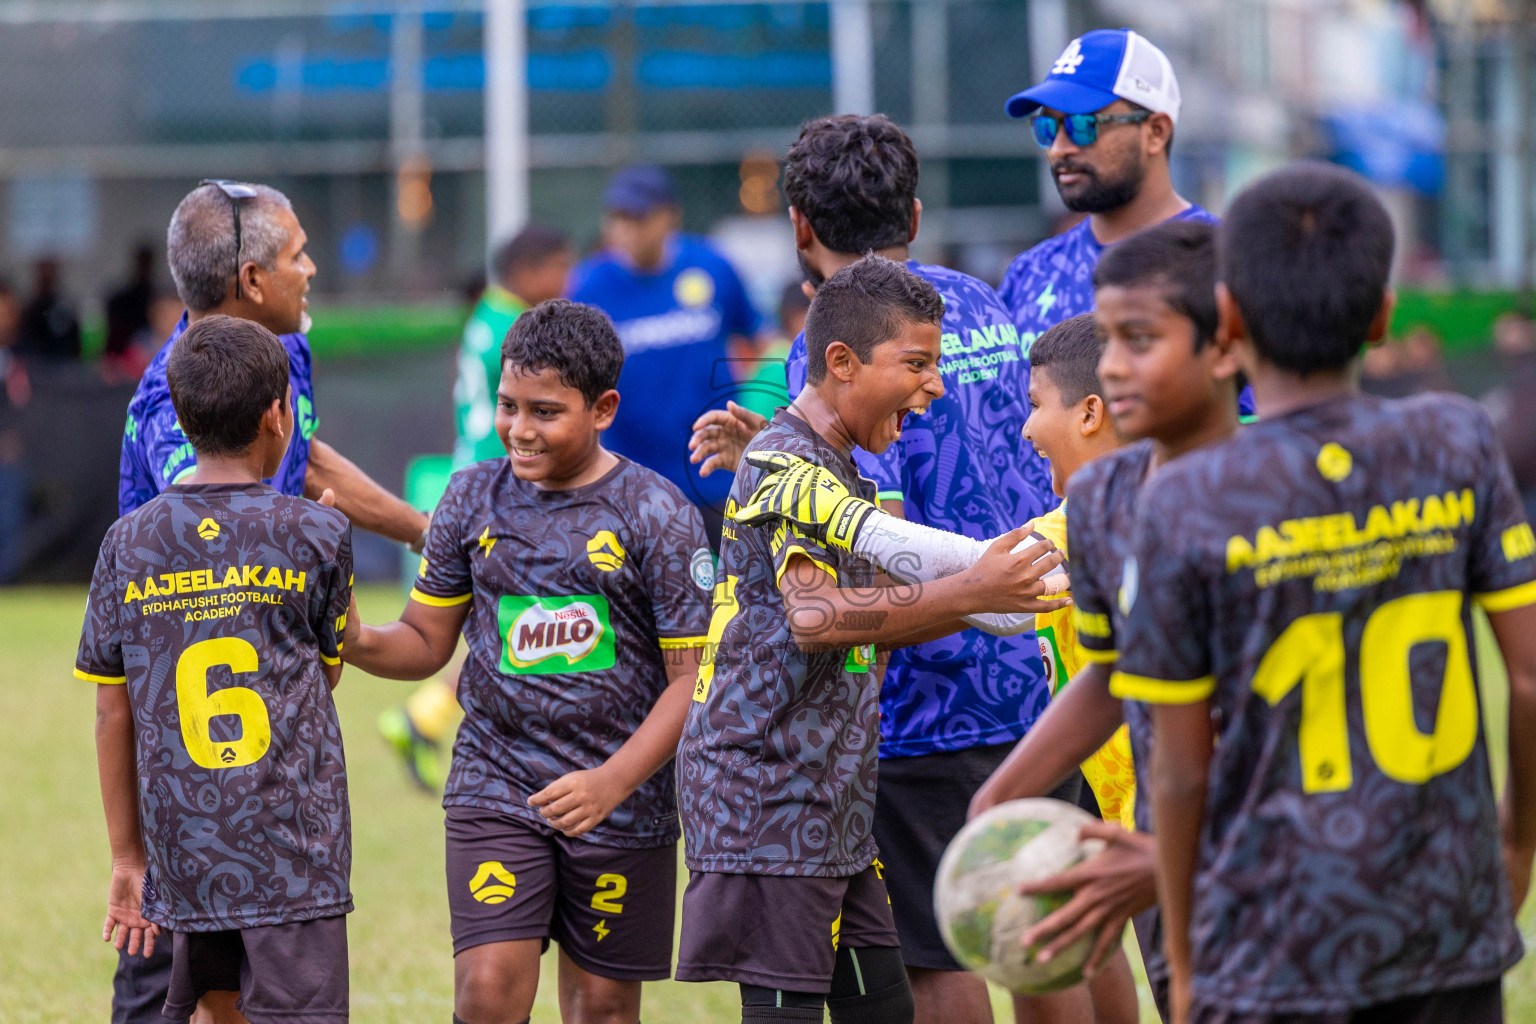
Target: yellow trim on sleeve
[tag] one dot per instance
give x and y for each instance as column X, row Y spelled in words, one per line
column 329, row 660
column 105, row 680
column 1098, row 657
column 439, row 602
column 673, row 643
column 1507, row 600
column 791, row 552
column 1161, row 691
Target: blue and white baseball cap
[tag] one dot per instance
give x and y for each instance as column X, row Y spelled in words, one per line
column 1100, row 67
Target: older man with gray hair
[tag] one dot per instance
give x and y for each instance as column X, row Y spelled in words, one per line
column 237, row 249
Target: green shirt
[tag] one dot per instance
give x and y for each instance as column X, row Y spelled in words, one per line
column 474, row 393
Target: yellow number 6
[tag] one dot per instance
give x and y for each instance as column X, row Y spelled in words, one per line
column 196, row 707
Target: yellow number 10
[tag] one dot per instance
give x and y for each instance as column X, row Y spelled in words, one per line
column 1311, row 652
column 196, row 707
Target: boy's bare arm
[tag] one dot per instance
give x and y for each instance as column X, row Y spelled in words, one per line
column 579, row 801
column 824, row 616
column 415, row 647
column 1182, row 739
column 118, row 772
column 1515, row 631
column 1078, row 721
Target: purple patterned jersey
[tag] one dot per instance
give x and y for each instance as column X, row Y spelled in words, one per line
column 216, row 604
column 1314, row 578
column 576, row 598
column 1054, row 280
column 964, row 467
column 776, row 769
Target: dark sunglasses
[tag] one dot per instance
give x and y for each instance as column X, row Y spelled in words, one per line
column 1082, row 129
column 236, row 192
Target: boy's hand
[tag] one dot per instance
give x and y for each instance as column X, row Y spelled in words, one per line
column 1010, row 575
column 328, row 498
column 721, row 435
column 808, row 495
column 354, row 627
column 1107, row 890
column 125, row 897
column 580, row 801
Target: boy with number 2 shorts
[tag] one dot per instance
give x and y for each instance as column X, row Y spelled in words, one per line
column 580, row 581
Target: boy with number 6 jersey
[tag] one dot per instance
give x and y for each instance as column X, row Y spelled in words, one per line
column 581, row 583
column 1302, row 595
column 212, row 630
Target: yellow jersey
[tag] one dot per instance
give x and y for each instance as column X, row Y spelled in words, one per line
column 1109, row 771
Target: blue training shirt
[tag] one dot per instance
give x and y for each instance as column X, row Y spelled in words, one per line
column 156, row 453
column 1053, row 281
column 674, row 324
column 965, row 467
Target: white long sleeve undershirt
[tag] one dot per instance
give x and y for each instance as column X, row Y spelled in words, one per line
column 913, row 553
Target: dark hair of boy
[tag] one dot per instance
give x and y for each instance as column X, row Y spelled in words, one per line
column 575, row 340
column 862, row 305
column 854, row 177
column 1070, row 352
column 224, row 374
column 1307, row 256
column 528, row 248
column 1178, row 256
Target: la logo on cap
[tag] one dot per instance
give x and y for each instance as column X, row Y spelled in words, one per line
column 1070, row 58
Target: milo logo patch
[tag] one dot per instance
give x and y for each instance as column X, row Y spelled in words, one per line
column 545, row 635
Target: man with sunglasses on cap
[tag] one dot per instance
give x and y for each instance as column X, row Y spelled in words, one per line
column 1105, row 117
column 237, row 249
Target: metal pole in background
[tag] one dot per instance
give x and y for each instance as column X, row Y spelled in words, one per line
column 1048, row 36
column 853, row 57
column 506, row 118
column 930, row 112
column 412, row 187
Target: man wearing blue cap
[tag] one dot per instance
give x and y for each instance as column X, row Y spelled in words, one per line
column 677, row 305
column 1105, row 116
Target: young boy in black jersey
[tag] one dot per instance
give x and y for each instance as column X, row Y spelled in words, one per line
column 581, row 582
column 1300, row 619
column 213, row 633
column 1170, row 387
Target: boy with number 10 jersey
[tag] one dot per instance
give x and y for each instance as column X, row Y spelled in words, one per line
column 1299, row 618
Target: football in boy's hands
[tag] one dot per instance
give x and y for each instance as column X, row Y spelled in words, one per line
column 977, row 902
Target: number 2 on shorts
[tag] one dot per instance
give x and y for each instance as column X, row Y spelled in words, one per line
column 196, row 707
column 610, row 889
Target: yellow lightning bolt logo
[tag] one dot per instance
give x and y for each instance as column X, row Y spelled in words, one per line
column 602, row 929
column 486, row 541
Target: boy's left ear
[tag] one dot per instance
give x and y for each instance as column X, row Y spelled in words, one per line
column 1091, row 415
column 1230, row 326
column 1383, row 318
column 840, row 360
column 605, row 408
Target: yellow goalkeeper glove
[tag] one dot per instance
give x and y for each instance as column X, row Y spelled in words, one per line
column 808, row 496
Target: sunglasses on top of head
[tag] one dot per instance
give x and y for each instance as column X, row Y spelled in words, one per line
column 1082, row 129
column 236, row 191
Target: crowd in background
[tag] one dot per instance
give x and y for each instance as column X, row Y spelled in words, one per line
column 42, row 327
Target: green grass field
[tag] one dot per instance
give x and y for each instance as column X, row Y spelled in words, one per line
column 54, row 850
